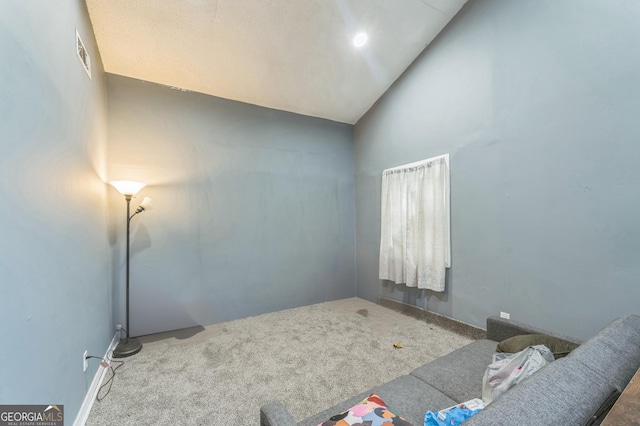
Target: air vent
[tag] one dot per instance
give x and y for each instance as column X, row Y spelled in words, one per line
column 83, row 55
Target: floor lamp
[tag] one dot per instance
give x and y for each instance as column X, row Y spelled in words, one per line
column 129, row 346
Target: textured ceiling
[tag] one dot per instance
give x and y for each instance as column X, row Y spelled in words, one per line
column 291, row 55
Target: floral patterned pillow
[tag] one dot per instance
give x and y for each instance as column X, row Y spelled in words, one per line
column 371, row 411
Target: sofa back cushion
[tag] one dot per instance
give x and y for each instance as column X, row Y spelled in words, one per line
column 563, row 393
column 613, row 353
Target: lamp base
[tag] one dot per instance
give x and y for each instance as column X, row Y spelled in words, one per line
column 127, row 348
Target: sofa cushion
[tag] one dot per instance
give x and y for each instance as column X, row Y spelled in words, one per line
column 559, row 347
column 459, row 373
column 563, row 393
column 613, row 353
column 371, row 410
column 409, row 397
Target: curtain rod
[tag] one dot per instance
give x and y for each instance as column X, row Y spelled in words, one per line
column 418, row 163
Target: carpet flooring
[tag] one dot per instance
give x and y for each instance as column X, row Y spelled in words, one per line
column 310, row 358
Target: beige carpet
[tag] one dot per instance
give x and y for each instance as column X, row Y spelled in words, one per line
column 310, row 358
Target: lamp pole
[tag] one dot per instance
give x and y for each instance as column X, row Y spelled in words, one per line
column 128, row 347
column 128, row 198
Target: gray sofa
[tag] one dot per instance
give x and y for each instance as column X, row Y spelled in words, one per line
column 569, row 391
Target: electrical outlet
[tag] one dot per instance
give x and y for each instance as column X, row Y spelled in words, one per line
column 85, row 361
column 505, row 315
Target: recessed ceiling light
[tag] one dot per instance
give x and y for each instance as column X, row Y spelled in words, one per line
column 360, row 39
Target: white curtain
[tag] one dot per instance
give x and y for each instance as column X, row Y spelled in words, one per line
column 414, row 243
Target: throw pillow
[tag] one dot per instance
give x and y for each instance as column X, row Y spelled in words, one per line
column 371, row 411
column 559, row 347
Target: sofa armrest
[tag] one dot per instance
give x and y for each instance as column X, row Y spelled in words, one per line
column 275, row 413
column 499, row 329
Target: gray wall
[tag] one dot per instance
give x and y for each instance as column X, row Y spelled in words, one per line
column 537, row 102
column 56, row 296
column 254, row 207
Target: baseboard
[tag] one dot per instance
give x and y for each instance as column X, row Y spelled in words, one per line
column 90, row 397
column 434, row 318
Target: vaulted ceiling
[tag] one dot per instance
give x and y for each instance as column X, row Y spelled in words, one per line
column 291, row 55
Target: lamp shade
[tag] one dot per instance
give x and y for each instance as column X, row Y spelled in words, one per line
column 146, row 204
column 127, row 187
